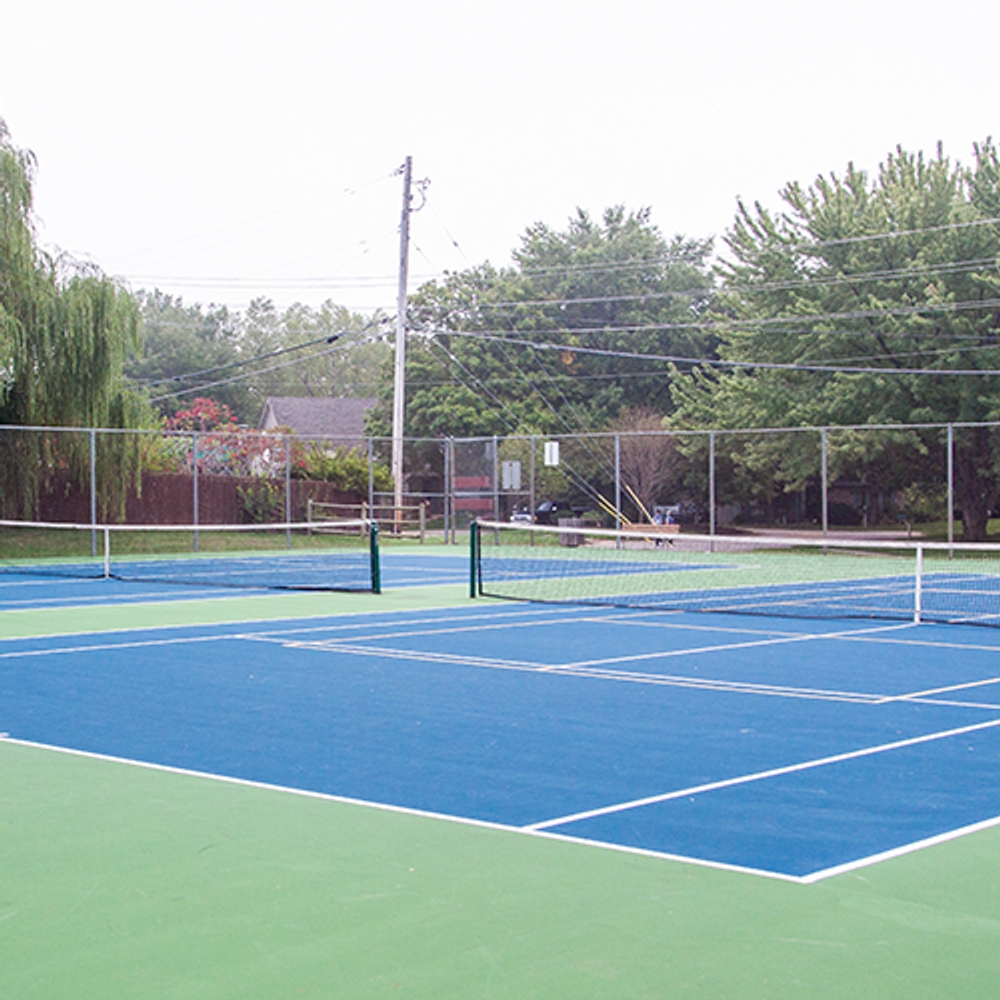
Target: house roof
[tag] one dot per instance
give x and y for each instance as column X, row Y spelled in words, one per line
column 338, row 421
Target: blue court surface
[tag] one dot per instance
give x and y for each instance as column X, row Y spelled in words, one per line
column 788, row 748
column 20, row 591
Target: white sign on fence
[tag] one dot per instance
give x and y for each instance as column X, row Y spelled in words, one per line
column 511, row 475
column 551, row 452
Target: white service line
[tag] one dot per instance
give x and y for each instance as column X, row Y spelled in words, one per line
column 104, row 646
column 915, row 695
column 775, row 772
column 591, row 673
column 749, row 644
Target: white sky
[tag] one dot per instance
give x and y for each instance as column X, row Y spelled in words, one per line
column 223, row 149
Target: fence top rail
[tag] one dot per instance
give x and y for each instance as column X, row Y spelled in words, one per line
column 329, row 505
column 339, row 440
column 702, row 432
column 590, row 435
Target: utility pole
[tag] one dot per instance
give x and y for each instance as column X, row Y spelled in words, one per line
column 399, row 382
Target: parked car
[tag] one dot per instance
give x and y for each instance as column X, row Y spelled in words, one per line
column 520, row 515
column 550, row 511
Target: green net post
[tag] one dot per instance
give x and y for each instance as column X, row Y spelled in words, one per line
column 473, row 558
column 376, row 563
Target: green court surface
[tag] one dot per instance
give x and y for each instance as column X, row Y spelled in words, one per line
column 126, row 882
column 121, row 881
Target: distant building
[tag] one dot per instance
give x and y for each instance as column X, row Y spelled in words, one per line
column 336, row 421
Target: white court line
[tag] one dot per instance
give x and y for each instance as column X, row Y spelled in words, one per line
column 496, row 621
column 620, row 676
column 399, row 810
column 48, row 581
column 105, row 646
column 898, row 852
column 179, row 626
column 493, row 624
column 749, row 644
column 988, row 706
column 809, row 879
column 775, row 772
column 927, row 643
column 570, row 615
column 450, row 630
column 940, row 690
column 168, row 595
column 408, row 654
column 640, row 620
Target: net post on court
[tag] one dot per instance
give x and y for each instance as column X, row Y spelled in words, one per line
column 474, row 587
column 327, row 555
column 763, row 574
column 374, row 559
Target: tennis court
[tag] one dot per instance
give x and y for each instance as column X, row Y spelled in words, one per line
column 493, row 798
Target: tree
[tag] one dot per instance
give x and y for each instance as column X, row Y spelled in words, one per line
column 179, row 340
column 647, row 456
column 349, row 366
column 887, row 285
column 65, row 332
column 612, row 286
column 241, row 359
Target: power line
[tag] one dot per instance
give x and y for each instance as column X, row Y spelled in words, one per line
column 950, row 267
column 722, row 363
column 726, row 324
column 900, row 233
column 262, row 371
column 239, row 364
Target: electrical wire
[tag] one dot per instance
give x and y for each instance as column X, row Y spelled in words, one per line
column 714, row 325
column 329, row 339
column 723, row 363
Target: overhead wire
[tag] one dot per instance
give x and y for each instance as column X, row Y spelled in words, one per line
column 862, row 277
column 260, row 371
column 695, row 362
column 328, row 338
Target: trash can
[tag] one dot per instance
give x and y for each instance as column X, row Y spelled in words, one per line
column 570, row 538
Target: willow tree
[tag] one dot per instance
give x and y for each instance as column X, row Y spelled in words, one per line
column 65, row 332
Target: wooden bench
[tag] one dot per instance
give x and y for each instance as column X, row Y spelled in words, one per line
column 652, row 529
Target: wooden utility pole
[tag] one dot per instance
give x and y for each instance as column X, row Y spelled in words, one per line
column 399, row 382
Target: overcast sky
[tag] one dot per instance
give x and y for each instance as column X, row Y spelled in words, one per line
column 222, row 150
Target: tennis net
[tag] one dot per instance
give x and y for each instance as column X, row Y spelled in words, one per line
column 640, row 567
column 341, row 555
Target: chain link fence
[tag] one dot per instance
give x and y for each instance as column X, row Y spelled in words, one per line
column 815, row 478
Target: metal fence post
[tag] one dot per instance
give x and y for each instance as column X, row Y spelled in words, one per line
column 371, row 478
column 951, row 490
column 532, row 495
column 194, row 482
column 618, row 487
column 496, row 478
column 451, row 490
column 711, row 491
column 824, row 471
column 447, row 477
column 93, row 492
column 288, row 490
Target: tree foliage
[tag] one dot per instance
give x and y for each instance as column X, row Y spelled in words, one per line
column 614, row 285
column 892, row 280
column 178, row 340
column 65, row 332
column 240, row 359
column 648, row 460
